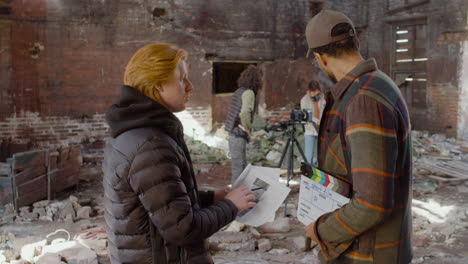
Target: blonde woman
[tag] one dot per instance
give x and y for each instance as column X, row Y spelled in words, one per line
column 154, row 211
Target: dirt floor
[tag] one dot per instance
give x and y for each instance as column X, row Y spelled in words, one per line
column 440, row 221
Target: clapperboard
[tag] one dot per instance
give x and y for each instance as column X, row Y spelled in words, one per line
column 319, row 193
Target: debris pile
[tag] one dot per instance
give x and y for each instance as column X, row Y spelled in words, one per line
column 57, row 248
column 69, row 210
column 440, row 190
column 266, row 148
column 438, row 160
column 202, row 153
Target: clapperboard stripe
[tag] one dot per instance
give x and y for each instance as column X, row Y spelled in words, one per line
column 330, row 182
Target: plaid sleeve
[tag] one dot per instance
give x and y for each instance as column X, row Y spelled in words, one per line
column 371, row 142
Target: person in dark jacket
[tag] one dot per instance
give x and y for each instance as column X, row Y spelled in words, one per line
column 154, row 211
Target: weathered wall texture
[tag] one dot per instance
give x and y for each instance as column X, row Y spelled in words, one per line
column 446, row 29
column 64, row 60
column 463, row 117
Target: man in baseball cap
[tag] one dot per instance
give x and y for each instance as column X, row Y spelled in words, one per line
column 365, row 140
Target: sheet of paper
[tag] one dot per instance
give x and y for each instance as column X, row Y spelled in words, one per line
column 315, row 200
column 270, row 193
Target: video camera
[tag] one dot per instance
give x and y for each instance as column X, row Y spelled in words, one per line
column 303, row 115
column 297, row 117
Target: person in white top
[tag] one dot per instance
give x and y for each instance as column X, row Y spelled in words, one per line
column 314, row 102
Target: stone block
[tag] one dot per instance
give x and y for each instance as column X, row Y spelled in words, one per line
column 280, row 225
column 264, row 245
column 230, row 237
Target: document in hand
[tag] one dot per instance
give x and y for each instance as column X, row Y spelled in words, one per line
column 320, row 194
column 268, row 191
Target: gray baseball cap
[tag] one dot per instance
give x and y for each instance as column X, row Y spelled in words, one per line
column 319, row 28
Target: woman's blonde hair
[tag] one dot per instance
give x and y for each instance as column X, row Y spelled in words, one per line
column 153, row 65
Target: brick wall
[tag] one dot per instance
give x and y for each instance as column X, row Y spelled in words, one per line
column 29, row 127
column 65, row 60
column 196, row 120
column 443, row 52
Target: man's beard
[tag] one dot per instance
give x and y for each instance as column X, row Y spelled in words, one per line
column 331, row 76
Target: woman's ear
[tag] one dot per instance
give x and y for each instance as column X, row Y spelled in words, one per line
column 159, row 87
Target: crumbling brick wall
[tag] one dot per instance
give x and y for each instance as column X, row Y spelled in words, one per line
column 52, row 130
column 443, row 89
column 66, row 59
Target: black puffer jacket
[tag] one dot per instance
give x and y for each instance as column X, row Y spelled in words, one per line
column 154, row 212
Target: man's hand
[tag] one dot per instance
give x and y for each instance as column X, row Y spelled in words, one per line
column 242, row 198
column 310, row 231
column 220, row 194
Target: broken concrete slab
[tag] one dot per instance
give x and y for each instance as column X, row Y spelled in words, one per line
column 84, row 212
column 244, row 246
column 42, row 203
column 49, row 258
column 264, row 245
column 298, row 243
column 230, row 237
column 29, row 251
column 280, row 225
column 235, row 227
column 72, row 252
column 279, row 251
column 254, row 232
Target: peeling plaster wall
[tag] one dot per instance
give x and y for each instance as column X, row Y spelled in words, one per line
column 463, row 117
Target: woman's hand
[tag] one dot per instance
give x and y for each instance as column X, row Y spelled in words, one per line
column 220, row 194
column 242, row 198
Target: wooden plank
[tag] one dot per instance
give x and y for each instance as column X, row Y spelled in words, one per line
column 458, row 165
column 75, row 153
column 53, row 160
column 51, row 184
column 443, row 169
column 5, row 169
column 30, row 159
column 6, row 191
column 65, row 182
column 60, row 179
column 28, row 199
column 30, row 186
column 66, row 177
column 63, row 156
column 28, row 174
column 445, row 179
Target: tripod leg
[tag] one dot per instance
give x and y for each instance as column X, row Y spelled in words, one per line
column 300, row 151
column 290, row 168
column 284, row 153
column 291, row 162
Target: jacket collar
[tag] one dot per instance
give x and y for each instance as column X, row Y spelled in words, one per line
column 364, row 67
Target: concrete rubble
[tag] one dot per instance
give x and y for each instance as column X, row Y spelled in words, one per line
column 202, row 153
column 85, row 248
column 440, row 215
column 68, row 210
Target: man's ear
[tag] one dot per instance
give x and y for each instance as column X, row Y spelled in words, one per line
column 321, row 59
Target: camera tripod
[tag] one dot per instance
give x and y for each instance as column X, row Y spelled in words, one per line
column 290, row 132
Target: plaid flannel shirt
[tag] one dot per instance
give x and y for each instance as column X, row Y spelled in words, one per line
column 365, row 140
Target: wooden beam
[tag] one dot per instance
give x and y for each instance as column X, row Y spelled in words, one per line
column 28, row 174
column 24, row 160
